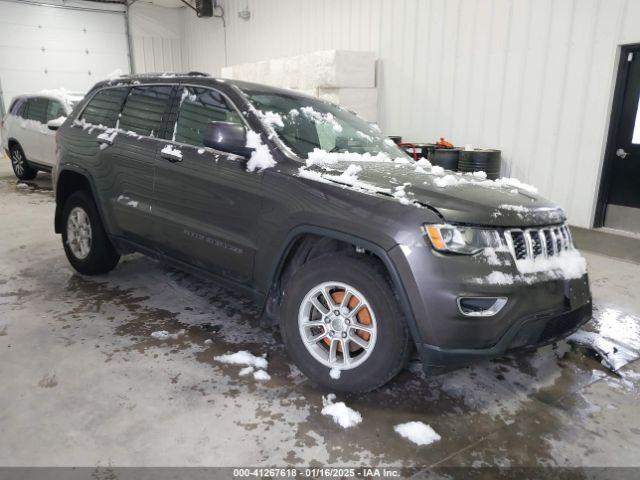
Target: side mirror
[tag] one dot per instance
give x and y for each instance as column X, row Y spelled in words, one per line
column 227, row 137
column 56, row 123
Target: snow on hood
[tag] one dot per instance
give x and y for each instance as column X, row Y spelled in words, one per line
column 458, row 197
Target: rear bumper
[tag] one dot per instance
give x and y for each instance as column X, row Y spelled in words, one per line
column 531, row 332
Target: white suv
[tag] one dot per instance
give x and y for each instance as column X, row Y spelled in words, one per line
column 28, row 129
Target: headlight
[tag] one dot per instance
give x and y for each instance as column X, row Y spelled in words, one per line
column 465, row 240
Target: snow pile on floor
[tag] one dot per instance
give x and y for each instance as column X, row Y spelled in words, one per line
column 261, row 157
column 261, row 375
column 253, row 365
column 334, row 373
column 257, row 374
column 344, row 416
column 165, row 335
column 417, row 432
column 242, row 357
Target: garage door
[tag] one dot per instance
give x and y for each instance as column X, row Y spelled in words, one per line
column 48, row 47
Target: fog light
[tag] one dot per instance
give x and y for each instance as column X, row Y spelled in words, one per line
column 480, row 306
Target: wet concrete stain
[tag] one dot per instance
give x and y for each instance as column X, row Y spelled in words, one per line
column 49, row 380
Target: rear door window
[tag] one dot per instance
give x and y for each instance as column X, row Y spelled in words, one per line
column 36, row 109
column 146, row 109
column 198, row 107
column 55, row 110
column 104, row 107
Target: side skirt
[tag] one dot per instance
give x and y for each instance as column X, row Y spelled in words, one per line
column 127, row 246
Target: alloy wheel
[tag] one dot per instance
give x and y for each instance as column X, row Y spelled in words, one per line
column 18, row 161
column 79, row 233
column 337, row 325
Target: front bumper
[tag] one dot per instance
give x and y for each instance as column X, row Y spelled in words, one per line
column 540, row 308
column 532, row 332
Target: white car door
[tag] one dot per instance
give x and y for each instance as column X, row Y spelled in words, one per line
column 47, row 143
column 30, row 134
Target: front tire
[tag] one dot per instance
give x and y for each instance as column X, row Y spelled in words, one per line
column 21, row 167
column 85, row 241
column 340, row 314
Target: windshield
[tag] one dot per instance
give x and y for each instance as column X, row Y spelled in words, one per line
column 305, row 124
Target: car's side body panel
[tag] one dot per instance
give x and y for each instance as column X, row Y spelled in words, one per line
column 203, row 211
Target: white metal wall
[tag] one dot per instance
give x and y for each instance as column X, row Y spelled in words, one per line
column 47, row 48
column 531, row 77
column 156, row 37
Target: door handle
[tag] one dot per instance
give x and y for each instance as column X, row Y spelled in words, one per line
column 171, row 158
column 621, row 153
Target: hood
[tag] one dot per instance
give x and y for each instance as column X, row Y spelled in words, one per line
column 458, row 198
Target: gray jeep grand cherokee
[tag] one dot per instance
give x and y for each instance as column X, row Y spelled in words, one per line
column 355, row 250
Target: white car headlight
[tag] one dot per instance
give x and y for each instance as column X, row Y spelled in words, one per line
column 463, row 240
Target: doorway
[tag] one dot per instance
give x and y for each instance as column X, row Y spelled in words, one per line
column 619, row 197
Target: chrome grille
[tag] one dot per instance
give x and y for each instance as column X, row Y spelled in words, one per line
column 532, row 243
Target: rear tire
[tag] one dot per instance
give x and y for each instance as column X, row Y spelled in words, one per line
column 85, row 241
column 377, row 312
column 21, row 167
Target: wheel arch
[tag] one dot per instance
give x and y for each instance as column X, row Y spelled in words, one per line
column 301, row 241
column 12, row 141
column 72, row 179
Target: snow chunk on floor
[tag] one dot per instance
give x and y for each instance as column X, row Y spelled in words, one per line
column 261, row 375
column 418, row 433
column 261, row 157
column 164, row 335
column 242, row 358
column 174, row 152
column 344, row 416
column 246, row 371
column 335, row 373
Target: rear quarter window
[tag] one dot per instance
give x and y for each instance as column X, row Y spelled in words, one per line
column 104, row 107
column 17, row 107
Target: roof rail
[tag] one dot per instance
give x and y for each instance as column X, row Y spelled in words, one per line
column 198, row 74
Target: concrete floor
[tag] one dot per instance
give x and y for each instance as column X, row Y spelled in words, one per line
column 84, row 384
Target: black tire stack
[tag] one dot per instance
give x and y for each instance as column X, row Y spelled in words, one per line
column 488, row 161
